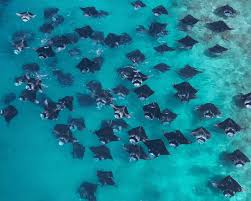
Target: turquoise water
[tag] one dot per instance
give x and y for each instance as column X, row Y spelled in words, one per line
column 34, row 168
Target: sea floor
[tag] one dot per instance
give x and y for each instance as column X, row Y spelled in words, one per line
column 34, row 168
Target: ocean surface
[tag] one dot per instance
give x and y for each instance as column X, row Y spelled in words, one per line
column 32, row 165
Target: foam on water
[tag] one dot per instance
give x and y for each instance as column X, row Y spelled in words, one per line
column 34, row 168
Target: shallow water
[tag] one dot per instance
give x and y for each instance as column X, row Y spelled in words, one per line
column 34, row 168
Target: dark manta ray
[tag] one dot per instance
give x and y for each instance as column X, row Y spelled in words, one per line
column 156, row 148
column 133, row 75
column 138, row 78
column 216, row 50
column 114, row 40
column 50, row 12
column 85, row 32
column 32, row 82
column 136, row 56
column 115, row 124
column 86, row 65
column 229, row 126
column 85, row 100
column 228, row 186
column 159, row 10
column 208, row 110
column 225, row 11
column 106, row 135
column 105, row 177
column 167, row 116
column 64, row 79
column 162, row 67
column 59, row 42
column 66, row 102
column 8, row 98
column 20, row 40
column 78, row 150
column 135, row 151
column 124, row 39
column 29, row 95
column 52, row 20
column 47, row 27
column 76, row 123
column 19, row 46
column 201, row 134
column 93, row 12
column 94, row 86
column 188, row 71
column 127, row 72
column 157, row 29
column 218, row 26
column 101, row 96
column 152, row 111
column 63, row 133
column 65, row 39
column 57, row 20
column 137, row 134
column 101, row 152
column 238, row 158
column 104, row 97
column 163, row 48
column 74, row 52
column 88, row 191
column 8, row 113
column 188, row 22
column 22, row 79
column 176, row 138
column 98, row 36
column 26, row 16
column 121, row 90
column 31, row 67
column 244, row 100
column 45, row 52
column 185, row 92
column 143, row 92
column 120, row 111
column 138, row 4
column 51, row 110
column 187, row 42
